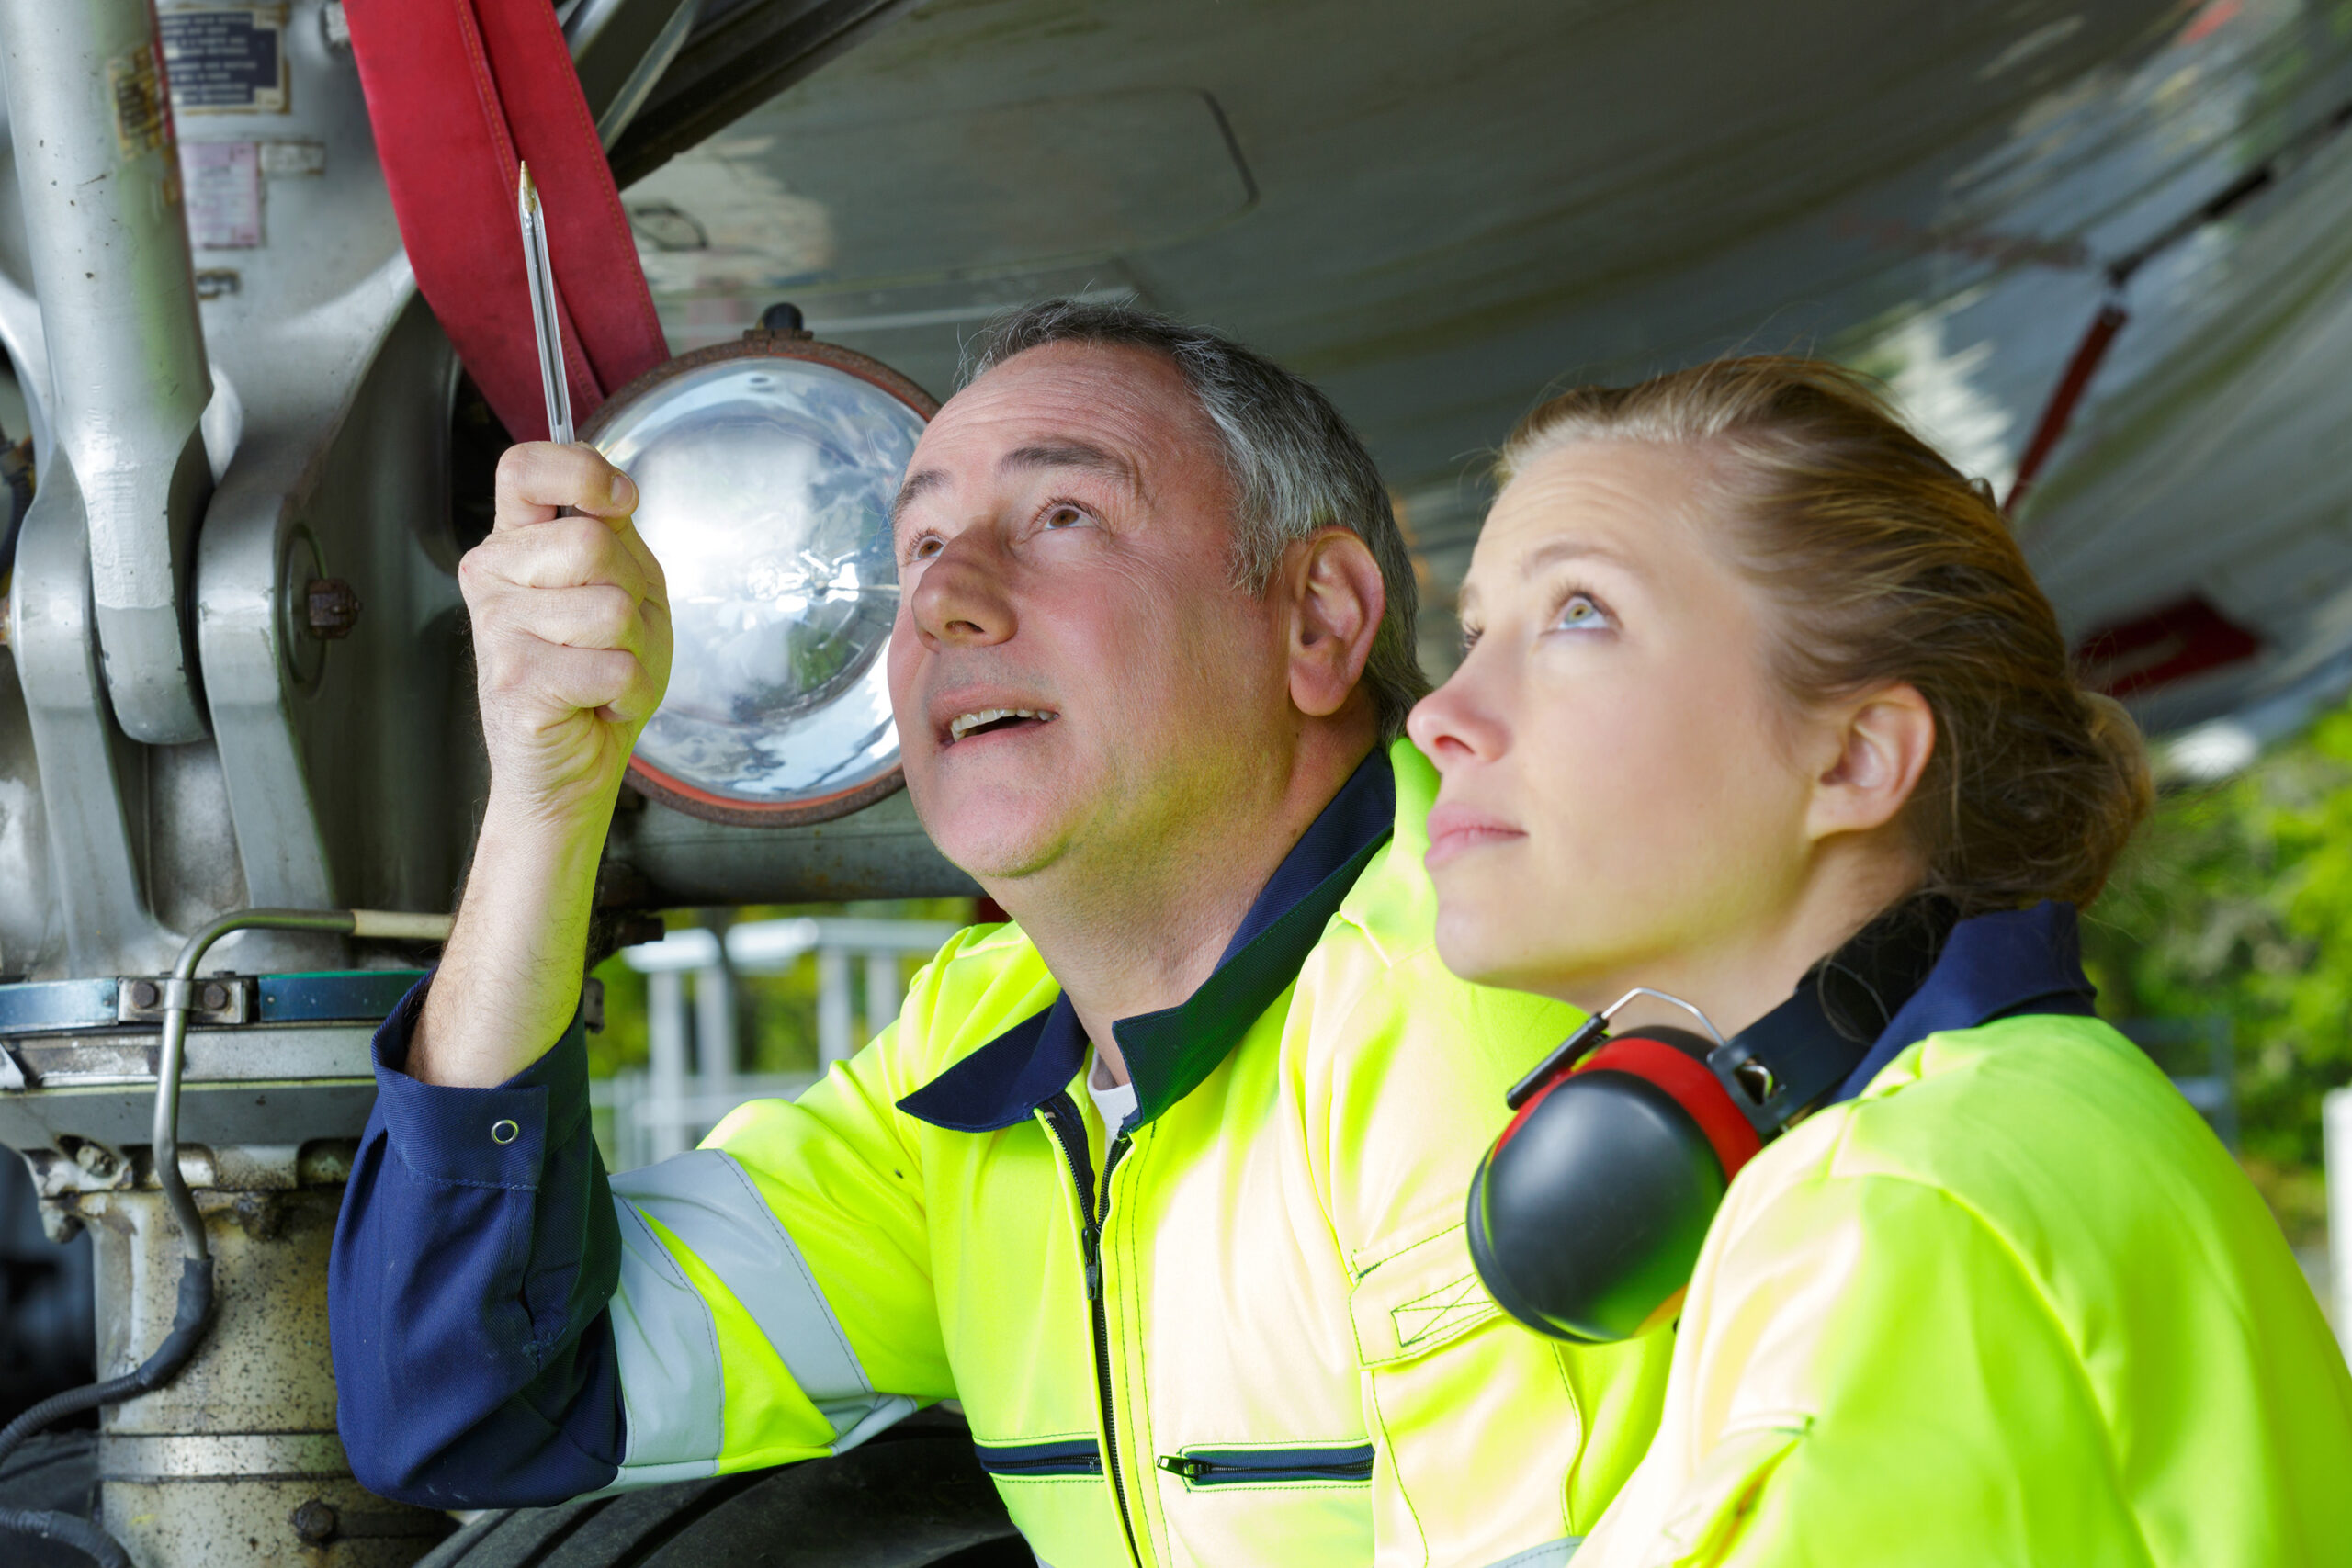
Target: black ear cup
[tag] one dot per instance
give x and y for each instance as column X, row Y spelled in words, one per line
column 1587, row 1216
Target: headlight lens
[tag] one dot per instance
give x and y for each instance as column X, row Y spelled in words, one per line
column 765, row 472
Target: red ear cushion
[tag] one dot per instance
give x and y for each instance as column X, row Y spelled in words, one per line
column 1692, row 1086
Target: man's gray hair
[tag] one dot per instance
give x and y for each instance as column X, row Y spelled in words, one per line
column 1296, row 466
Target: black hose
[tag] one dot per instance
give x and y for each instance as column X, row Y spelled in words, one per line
column 189, row 1320
column 79, row 1534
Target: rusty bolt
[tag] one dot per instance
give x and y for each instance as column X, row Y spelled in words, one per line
column 315, row 1522
column 144, row 994
column 329, row 607
column 215, row 998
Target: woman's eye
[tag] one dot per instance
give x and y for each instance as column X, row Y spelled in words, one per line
column 1064, row 516
column 1581, row 612
column 926, row 547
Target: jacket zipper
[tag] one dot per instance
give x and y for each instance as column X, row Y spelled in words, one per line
column 1041, row 1459
column 1061, row 1115
column 1227, row 1470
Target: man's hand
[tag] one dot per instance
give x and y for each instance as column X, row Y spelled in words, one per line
column 571, row 634
column 572, row 647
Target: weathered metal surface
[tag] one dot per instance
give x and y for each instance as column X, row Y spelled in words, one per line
column 236, row 1462
column 28, row 915
column 264, row 1085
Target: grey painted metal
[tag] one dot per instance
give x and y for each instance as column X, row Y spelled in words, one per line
column 738, row 55
column 89, row 776
column 98, row 173
column 879, row 853
column 348, row 764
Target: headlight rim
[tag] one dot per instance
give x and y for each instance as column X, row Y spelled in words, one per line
column 643, row 777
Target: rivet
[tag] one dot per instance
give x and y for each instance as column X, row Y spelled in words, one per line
column 504, row 1130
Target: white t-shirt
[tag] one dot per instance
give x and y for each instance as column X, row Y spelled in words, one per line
column 1115, row 1101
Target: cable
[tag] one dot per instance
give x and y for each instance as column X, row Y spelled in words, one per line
column 193, row 1315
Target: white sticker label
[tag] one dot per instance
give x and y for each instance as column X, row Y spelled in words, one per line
column 223, row 181
column 290, row 160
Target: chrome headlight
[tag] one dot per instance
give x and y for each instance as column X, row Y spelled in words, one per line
column 765, row 469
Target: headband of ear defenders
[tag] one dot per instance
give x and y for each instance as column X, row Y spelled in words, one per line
column 1588, row 1214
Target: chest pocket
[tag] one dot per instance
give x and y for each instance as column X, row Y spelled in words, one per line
column 1414, row 1300
column 1460, row 1394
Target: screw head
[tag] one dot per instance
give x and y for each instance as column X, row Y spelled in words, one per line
column 329, row 608
column 315, row 1522
column 144, row 994
column 215, row 998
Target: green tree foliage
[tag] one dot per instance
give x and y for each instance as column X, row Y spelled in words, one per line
column 2236, row 899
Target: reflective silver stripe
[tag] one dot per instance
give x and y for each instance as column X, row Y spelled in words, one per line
column 1551, row 1554
column 709, row 1203
column 667, row 1346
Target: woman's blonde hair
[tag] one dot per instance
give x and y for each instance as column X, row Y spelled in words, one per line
column 1883, row 565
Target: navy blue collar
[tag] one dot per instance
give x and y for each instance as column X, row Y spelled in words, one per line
column 1169, row 1052
column 1991, row 965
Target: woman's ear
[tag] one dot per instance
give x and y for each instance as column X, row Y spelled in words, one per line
column 1337, row 601
column 1885, row 740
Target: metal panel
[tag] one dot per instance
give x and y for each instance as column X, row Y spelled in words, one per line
column 98, row 174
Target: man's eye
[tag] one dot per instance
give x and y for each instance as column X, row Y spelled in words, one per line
column 1581, row 612
column 1064, row 515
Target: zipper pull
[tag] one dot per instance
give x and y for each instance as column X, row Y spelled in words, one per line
column 1093, row 1263
column 1177, row 1464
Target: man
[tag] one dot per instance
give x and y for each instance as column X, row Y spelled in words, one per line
column 1164, row 1183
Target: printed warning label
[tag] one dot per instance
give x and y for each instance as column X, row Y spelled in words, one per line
column 225, row 59
column 223, row 181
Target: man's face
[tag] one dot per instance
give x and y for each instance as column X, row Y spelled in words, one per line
column 1077, row 678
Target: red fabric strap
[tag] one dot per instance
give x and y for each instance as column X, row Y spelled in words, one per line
column 458, row 90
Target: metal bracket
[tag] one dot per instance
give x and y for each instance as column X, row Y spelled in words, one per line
column 223, row 999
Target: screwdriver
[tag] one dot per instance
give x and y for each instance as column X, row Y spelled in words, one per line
column 549, row 325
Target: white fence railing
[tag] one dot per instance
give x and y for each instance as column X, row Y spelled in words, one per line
column 690, row 1081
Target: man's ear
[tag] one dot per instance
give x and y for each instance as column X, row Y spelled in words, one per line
column 1882, row 741
column 1336, row 602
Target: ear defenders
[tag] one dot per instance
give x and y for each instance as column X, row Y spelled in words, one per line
column 1588, row 1213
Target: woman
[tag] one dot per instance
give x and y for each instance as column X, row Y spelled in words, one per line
column 1750, row 669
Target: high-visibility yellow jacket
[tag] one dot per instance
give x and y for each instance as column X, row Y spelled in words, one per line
column 1242, row 1329
column 2015, row 1304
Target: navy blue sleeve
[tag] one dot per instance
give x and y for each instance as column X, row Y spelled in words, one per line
column 466, row 1299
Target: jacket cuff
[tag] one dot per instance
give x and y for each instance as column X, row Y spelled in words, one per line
column 480, row 1137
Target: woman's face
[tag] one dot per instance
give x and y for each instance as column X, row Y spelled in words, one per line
column 1625, row 784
